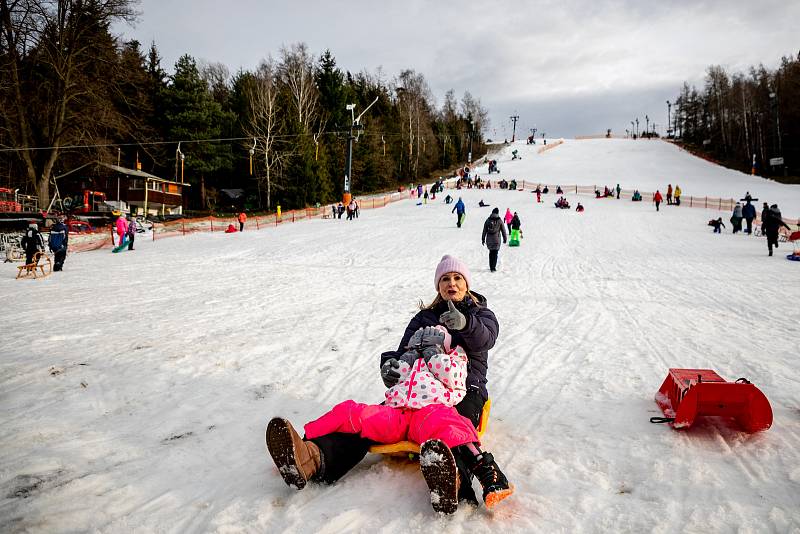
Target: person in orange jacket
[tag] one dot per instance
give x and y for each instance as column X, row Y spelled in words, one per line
column 657, row 198
column 242, row 218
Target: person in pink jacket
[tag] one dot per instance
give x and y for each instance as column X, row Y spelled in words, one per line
column 420, row 407
column 122, row 229
column 507, row 218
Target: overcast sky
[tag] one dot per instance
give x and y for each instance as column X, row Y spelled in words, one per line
column 565, row 67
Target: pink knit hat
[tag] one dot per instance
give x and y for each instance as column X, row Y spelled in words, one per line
column 451, row 264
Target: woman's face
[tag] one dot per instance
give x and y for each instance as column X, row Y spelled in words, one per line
column 452, row 286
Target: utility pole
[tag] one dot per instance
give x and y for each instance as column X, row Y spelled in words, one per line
column 514, row 118
column 355, row 129
column 647, row 125
column 669, row 109
column 471, row 130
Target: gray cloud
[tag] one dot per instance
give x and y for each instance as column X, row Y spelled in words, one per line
column 581, row 65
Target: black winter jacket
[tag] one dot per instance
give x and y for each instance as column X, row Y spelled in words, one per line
column 476, row 338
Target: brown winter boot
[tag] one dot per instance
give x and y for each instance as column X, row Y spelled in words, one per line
column 297, row 460
column 441, row 474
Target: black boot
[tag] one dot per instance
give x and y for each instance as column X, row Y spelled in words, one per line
column 441, row 474
column 494, row 482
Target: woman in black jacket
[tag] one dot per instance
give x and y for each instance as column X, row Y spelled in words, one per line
column 474, row 327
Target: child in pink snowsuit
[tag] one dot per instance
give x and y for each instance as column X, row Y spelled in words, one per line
column 419, row 407
column 122, row 229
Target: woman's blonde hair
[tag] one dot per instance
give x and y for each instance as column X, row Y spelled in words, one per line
column 439, row 299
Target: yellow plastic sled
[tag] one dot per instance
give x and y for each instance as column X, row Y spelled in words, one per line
column 411, row 449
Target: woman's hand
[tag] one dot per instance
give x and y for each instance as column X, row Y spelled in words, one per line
column 389, row 372
column 452, row 318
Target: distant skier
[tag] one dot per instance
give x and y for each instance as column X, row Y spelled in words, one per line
column 677, row 195
column 669, row 194
column 460, row 211
column 619, row 190
column 242, row 218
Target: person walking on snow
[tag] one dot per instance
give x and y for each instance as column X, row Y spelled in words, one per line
column 669, row 194
column 58, row 242
column 772, row 224
column 749, row 213
column 131, row 232
column 677, row 196
column 493, row 230
column 32, row 242
column 242, row 218
column 122, row 229
column 507, row 218
column 460, row 211
column 657, row 198
column 619, row 190
column 736, row 218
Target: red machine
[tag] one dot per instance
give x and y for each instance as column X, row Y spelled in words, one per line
column 687, row 393
column 8, row 200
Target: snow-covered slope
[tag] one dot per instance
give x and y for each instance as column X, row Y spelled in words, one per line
column 646, row 165
column 135, row 388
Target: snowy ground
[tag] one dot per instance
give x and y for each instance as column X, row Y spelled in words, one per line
column 135, row 387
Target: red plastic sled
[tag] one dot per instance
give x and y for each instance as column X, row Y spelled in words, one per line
column 687, row 393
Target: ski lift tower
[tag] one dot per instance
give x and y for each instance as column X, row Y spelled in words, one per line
column 355, row 130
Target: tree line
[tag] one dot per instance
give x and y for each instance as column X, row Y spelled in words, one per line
column 73, row 93
column 745, row 120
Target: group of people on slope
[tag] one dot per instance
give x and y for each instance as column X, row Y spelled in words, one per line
column 771, row 221
column 673, row 196
column 352, row 210
column 58, row 241
column 436, row 390
column 126, row 231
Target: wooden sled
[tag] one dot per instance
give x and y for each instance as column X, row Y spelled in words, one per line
column 40, row 268
column 411, row 449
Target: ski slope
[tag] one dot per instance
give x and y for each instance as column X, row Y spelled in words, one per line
column 135, row 388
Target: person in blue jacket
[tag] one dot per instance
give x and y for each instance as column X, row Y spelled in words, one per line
column 58, row 241
column 460, row 210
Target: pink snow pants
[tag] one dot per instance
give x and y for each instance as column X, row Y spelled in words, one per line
column 385, row 424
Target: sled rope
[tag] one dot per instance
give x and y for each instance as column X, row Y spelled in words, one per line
column 660, row 420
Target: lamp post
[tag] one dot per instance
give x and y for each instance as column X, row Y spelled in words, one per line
column 471, row 131
column 669, row 109
column 633, row 132
column 773, row 97
column 647, row 125
column 637, row 127
column 355, row 130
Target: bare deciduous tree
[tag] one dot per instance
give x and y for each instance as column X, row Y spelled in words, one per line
column 263, row 123
column 48, row 50
column 296, row 72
